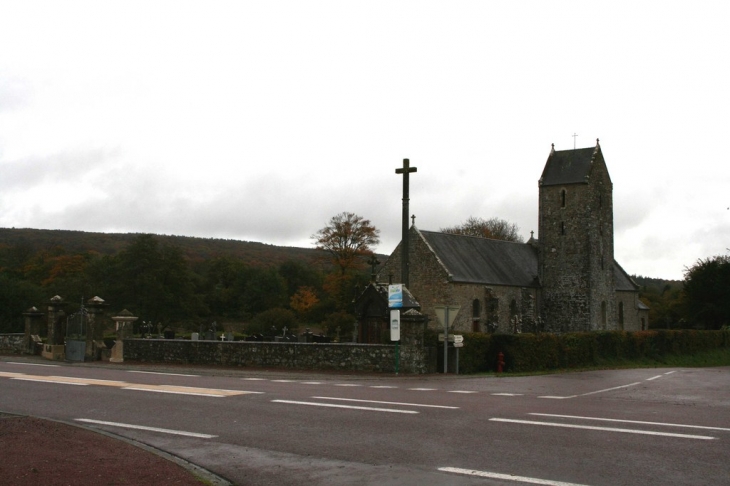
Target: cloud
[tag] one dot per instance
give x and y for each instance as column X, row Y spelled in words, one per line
column 15, row 93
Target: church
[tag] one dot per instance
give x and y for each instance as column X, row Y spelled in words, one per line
column 566, row 280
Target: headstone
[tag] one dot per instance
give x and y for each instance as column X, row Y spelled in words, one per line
column 194, row 336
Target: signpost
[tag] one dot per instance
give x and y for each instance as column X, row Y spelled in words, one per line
column 446, row 315
column 395, row 302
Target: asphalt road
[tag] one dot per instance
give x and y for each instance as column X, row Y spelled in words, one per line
column 648, row 426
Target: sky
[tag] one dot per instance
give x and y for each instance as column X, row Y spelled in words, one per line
column 260, row 120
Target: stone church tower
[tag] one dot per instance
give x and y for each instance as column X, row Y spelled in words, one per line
column 575, row 245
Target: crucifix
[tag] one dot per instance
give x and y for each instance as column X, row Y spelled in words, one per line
column 405, row 170
column 575, row 136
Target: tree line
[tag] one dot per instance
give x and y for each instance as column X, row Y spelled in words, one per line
column 160, row 282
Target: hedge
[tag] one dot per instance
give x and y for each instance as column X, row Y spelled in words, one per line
column 536, row 352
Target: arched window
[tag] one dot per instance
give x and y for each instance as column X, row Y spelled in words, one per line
column 621, row 315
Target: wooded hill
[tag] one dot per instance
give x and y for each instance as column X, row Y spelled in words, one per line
column 194, row 249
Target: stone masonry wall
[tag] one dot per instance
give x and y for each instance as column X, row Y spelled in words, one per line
column 576, row 253
column 11, row 343
column 307, row 356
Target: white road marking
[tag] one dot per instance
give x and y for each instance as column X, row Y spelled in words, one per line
column 311, row 382
column 422, row 389
column 151, row 429
column 383, row 386
column 669, row 372
column 352, row 407
column 557, row 398
column 461, row 391
column 160, row 373
column 507, row 477
column 33, row 364
column 283, row 381
column 134, row 388
column 654, row 377
column 605, row 429
column 346, row 384
column 509, row 395
column 254, row 379
column 610, row 389
column 386, row 403
column 640, row 422
column 48, row 380
column 182, row 390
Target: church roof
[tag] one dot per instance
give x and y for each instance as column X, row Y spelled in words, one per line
column 471, row 259
column 568, row 166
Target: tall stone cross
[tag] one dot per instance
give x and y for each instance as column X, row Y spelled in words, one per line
column 405, row 170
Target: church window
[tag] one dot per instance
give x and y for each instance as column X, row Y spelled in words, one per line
column 476, row 309
column 621, row 315
column 562, row 198
column 604, row 316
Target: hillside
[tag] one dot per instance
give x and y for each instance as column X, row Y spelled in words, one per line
column 195, row 249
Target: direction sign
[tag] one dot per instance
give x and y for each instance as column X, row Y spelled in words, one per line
column 453, row 338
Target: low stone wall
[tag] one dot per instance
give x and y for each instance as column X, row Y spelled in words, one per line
column 11, row 343
column 306, row 356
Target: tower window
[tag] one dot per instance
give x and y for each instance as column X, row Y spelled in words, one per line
column 562, row 198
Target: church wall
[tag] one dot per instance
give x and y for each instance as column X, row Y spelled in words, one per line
column 631, row 313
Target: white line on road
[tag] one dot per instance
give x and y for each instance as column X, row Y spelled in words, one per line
column 34, row 364
column 509, row 395
column 352, row 407
column 422, row 389
column 610, row 389
column 654, row 377
column 383, row 386
column 462, row 391
column 386, row 403
column 310, row 382
column 507, row 477
column 346, row 384
column 174, row 392
column 254, row 379
column 160, row 373
column 151, row 429
column 47, row 380
column 640, row 422
column 605, row 429
column 557, row 398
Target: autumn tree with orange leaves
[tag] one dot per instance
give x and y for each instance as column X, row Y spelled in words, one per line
column 347, row 238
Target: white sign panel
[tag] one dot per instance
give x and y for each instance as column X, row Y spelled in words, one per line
column 395, row 296
column 395, row 325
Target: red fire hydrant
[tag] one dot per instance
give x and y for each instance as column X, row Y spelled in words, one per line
column 500, row 362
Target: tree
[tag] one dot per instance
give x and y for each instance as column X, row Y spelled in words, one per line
column 707, row 292
column 347, row 238
column 494, row 228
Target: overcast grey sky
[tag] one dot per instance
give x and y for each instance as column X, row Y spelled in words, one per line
column 260, row 120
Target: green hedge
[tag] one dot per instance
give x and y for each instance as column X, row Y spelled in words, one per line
column 536, row 352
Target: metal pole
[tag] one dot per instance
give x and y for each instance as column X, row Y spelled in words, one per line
column 397, row 356
column 446, row 341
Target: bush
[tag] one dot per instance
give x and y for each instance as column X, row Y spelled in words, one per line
column 538, row 352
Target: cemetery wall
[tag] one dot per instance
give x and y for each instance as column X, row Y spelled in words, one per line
column 11, row 343
column 304, row 356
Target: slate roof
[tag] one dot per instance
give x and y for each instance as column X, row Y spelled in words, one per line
column 567, row 166
column 470, row 259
